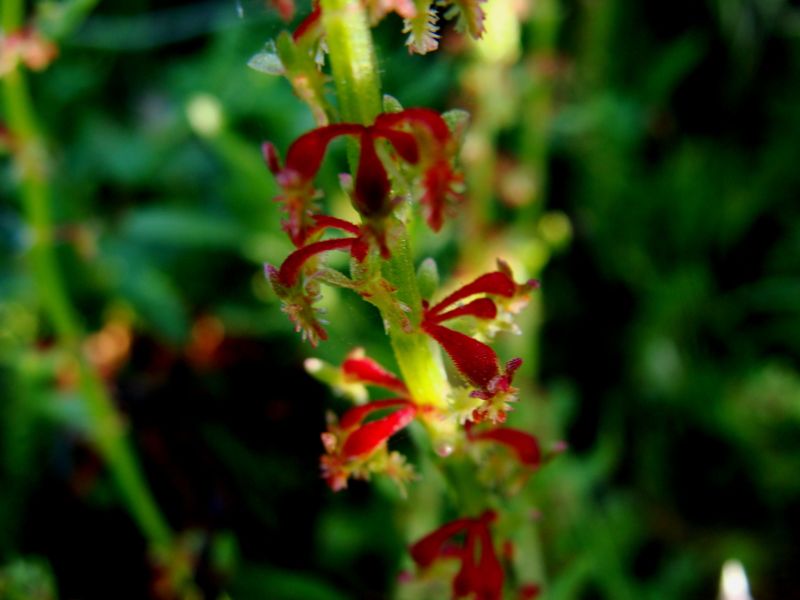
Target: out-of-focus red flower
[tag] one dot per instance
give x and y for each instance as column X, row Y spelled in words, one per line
column 523, row 444
column 481, row 575
column 529, row 591
column 355, row 448
column 26, row 46
column 285, row 8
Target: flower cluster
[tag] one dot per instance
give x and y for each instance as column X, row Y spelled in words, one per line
column 405, row 158
column 356, row 447
column 417, row 147
column 420, row 141
column 419, row 137
column 481, row 574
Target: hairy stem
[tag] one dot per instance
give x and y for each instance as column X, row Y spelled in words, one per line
column 357, row 81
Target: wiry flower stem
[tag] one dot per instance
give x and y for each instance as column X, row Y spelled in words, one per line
column 357, row 81
column 107, row 429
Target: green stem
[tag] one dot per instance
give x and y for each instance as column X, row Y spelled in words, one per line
column 107, row 429
column 355, row 69
column 355, row 74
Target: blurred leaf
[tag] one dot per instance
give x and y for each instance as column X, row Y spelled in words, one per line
column 27, row 579
column 151, row 293
column 172, row 226
column 276, row 584
column 671, row 66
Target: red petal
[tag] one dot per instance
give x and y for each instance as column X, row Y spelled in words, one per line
column 285, row 8
column 495, row 283
column 306, row 153
column 360, row 249
column 356, row 415
column 522, row 443
column 403, row 142
column 271, row 157
column 481, row 573
column 475, row 360
column 370, row 435
column 308, row 23
column 426, row 117
column 529, row 591
column 290, row 269
column 372, row 185
column 489, row 572
column 482, row 308
column 425, row 551
column 365, row 370
column 324, row 222
column 438, row 181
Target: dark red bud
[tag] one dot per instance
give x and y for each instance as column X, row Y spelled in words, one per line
column 372, row 185
column 271, row 157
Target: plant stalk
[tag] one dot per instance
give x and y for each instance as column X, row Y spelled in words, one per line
column 107, row 430
column 357, row 80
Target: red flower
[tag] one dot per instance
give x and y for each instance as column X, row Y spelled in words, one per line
column 296, row 178
column 418, row 136
column 475, row 360
column 357, row 449
column 295, row 282
column 26, row 46
column 481, row 573
column 440, row 183
column 522, row 443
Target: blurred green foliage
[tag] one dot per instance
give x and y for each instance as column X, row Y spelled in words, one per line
column 669, row 350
